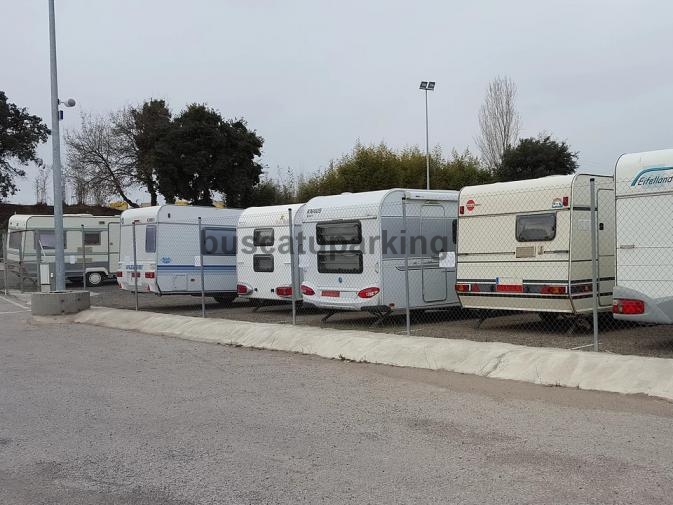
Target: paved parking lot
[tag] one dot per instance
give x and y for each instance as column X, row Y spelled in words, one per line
column 523, row 329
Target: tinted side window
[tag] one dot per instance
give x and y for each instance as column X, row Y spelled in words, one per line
column 262, row 263
column 91, row 238
column 536, row 227
column 339, row 232
column 15, row 240
column 218, row 242
column 47, row 239
column 340, row 262
column 454, row 230
column 151, row 238
column 263, row 237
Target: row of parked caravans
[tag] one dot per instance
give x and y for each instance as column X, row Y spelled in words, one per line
column 523, row 245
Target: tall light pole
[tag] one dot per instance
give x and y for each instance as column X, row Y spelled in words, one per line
column 59, row 256
column 427, row 86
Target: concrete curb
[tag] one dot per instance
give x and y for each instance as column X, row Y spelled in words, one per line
column 547, row 366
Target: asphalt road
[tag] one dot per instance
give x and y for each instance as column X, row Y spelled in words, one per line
column 97, row 416
column 518, row 328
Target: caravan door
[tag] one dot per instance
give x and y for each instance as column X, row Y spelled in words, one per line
column 605, row 199
column 433, row 232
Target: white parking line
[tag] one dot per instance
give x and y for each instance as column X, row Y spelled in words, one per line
column 14, row 303
column 13, row 312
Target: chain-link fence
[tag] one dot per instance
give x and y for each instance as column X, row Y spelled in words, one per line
column 528, row 262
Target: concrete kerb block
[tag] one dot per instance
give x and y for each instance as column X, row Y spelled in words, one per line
column 546, row 366
column 59, row 302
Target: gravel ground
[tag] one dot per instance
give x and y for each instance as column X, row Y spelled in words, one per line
column 93, row 416
column 518, row 328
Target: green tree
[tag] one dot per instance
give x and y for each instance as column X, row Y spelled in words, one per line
column 20, row 134
column 202, row 153
column 537, row 157
column 141, row 129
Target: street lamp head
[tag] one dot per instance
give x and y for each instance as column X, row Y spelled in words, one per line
column 70, row 102
column 424, row 85
column 431, row 85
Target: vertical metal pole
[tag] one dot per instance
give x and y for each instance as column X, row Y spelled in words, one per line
column 406, row 265
column 293, row 273
column 83, row 259
column 427, row 145
column 5, row 243
column 203, row 286
column 38, row 250
column 594, row 262
column 135, row 264
column 59, row 255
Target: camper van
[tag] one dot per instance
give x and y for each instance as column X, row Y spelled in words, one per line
column 168, row 251
column 88, row 239
column 526, row 245
column 263, row 256
column 644, row 205
column 354, row 255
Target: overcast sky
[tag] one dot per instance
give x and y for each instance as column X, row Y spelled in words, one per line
column 313, row 76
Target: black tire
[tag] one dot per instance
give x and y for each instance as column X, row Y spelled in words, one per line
column 548, row 317
column 95, row 279
column 227, row 299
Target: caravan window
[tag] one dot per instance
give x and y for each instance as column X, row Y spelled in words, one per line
column 263, row 237
column 47, row 239
column 339, row 232
column 340, row 262
column 218, row 241
column 262, row 263
column 151, row 238
column 91, row 238
column 454, row 230
column 536, row 227
column 14, row 240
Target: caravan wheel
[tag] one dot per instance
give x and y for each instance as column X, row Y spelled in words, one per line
column 94, row 279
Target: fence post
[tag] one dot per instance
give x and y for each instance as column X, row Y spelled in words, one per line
column 594, row 262
column 406, row 265
column 23, row 245
column 135, row 264
column 38, row 251
column 83, row 259
column 5, row 246
column 203, row 287
column 293, row 273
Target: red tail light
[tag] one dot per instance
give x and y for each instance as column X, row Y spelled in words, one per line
column 149, row 275
column 554, row 290
column 285, row 291
column 368, row 292
column 305, row 290
column 565, row 201
column 628, row 307
column 120, row 273
column 462, row 288
column 509, row 288
column 242, row 289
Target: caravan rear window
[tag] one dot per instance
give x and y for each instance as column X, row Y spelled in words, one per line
column 536, row 227
column 14, row 240
column 262, row 263
column 339, row 232
column 340, row 262
column 263, row 237
column 151, row 238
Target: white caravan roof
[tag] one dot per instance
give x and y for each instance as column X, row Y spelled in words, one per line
column 365, row 204
column 644, row 173
column 272, row 215
column 180, row 214
column 523, row 196
column 30, row 221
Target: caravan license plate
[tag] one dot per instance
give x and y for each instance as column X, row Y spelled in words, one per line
column 333, row 294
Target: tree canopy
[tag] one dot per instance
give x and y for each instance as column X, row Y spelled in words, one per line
column 20, row 134
column 202, row 154
column 537, row 157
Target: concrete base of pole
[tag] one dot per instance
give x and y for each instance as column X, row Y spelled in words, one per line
column 59, row 302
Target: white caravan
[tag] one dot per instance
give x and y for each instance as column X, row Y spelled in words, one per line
column 353, row 256
column 88, row 239
column 263, row 256
column 168, row 250
column 644, row 205
column 526, row 245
